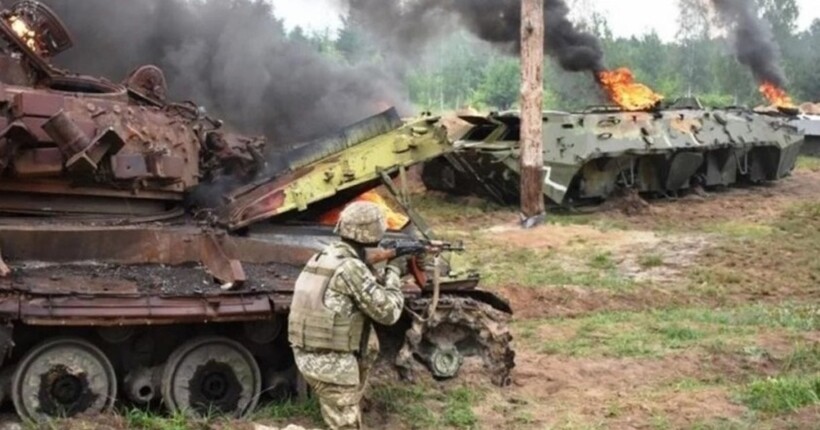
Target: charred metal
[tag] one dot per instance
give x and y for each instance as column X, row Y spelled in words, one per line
column 139, row 238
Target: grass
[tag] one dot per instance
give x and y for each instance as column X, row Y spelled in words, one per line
column 408, row 402
column 597, row 221
column 782, row 394
column 442, row 209
column 544, row 268
column 290, row 410
column 740, row 230
column 458, row 411
column 724, row 424
column 631, row 337
column 602, row 261
column 650, row 261
column 424, row 407
column 515, row 265
column 797, row 384
column 135, row 419
column 804, row 359
column 528, row 267
column 774, row 260
column 418, row 406
column 659, row 332
column 139, row 419
column 808, row 163
column 287, row 412
column 756, row 260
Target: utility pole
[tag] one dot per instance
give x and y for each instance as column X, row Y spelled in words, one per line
column 532, row 126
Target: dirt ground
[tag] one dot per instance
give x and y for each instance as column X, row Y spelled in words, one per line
column 581, row 362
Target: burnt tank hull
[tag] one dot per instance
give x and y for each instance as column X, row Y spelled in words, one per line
column 589, row 156
column 149, row 256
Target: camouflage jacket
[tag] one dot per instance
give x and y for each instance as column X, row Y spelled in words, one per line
column 353, row 288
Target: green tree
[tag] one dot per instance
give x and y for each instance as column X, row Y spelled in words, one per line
column 501, row 84
column 783, row 16
column 696, row 49
column 804, row 58
column 351, row 42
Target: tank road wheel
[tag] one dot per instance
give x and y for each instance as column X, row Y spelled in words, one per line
column 211, row 375
column 63, row 377
column 461, row 329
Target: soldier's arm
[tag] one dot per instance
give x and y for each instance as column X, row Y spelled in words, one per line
column 383, row 302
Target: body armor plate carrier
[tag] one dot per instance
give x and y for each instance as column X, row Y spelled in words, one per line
column 314, row 327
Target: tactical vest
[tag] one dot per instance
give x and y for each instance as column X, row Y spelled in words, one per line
column 311, row 325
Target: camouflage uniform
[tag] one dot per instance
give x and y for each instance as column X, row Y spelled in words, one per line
column 337, row 297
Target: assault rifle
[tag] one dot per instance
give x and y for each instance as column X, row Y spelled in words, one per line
column 395, row 248
column 416, row 250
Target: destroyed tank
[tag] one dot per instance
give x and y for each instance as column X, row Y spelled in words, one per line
column 134, row 270
column 592, row 155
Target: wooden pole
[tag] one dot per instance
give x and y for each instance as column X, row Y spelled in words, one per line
column 532, row 96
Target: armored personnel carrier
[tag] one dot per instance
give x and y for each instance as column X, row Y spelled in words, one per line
column 149, row 256
column 590, row 155
column 809, row 125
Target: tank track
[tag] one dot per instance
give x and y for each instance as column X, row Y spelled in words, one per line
column 461, row 328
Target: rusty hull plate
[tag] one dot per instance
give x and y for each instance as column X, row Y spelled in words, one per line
column 86, row 311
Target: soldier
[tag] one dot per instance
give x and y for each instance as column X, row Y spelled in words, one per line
column 336, row 299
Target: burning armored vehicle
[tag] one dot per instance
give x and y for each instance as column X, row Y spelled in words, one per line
column 590, row 155
column 129, row 272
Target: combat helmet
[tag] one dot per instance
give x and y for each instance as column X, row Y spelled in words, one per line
column 362, row 222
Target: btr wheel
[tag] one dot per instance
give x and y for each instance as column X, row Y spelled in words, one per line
column 63, row 377
column 211, row 375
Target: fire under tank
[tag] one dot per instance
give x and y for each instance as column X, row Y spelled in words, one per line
column 592, row 155
column 149, row 256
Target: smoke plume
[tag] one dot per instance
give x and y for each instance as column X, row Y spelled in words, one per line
column 753, row 40
column 232, row 57
column 406, row 26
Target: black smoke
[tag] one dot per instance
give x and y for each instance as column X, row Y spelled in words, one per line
column 232, row 57
column 752, row 39
column 407, row 26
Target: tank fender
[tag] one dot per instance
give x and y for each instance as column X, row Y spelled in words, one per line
column 492, row 299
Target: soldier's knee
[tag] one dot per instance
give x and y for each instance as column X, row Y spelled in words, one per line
column 344, row 398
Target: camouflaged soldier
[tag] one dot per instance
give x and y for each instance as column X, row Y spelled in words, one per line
column 336, row 299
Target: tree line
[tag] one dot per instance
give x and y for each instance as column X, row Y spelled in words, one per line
column 459, row 71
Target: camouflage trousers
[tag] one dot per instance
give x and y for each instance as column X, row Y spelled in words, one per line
column 340, row 404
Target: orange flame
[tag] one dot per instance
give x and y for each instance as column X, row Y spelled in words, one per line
column 776, row 96
column 395, row 220
column 24, row 32
column 625, row 92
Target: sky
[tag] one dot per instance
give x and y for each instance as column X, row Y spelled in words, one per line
column 626, row 17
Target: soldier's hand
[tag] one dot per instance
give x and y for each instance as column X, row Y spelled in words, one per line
column 398, row 265
column 412, row 288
